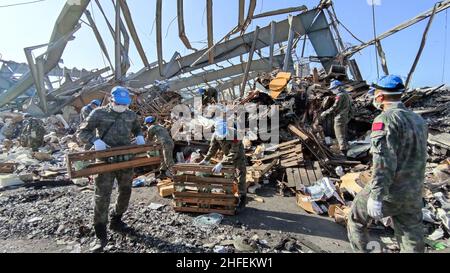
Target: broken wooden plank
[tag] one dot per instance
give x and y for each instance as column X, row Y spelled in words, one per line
column 201, row 168
column 298, row 132
column 106, row 167
column 8, row 167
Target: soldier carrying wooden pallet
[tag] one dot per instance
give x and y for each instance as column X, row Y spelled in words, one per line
column 111, row 126
column 226, row 139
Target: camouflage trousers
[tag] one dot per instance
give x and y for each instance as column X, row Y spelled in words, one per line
column 340, row 130
column 242, row 177
column 103, row 189
column 407, row 220
column 167, row 163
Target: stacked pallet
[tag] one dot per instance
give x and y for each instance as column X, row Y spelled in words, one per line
column 198, row 190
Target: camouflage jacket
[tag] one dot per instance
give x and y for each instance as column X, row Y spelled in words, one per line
column 233, row 150
column 399, row 148
column 211, row 96
column 343, row 105
column 33, row 128
column 115, row 129
column 85, row 111
column 160, row 133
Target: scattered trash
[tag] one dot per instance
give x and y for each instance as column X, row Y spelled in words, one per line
column 155, row 206
column 138, row 182
column 208, row 220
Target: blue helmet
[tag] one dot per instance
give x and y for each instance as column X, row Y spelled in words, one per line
column 149, row 119
column 335, row 84
column 201, row 91
column 96, row 102
column 121, row 95
column 391, row 84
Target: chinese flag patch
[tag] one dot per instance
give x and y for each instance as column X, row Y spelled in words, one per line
column 378, row 126
column 338, row 98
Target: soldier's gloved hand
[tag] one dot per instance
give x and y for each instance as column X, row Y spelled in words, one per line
column 99, row 145
column 204, row 162
column 374, row 209
column 323, row 115
column 217, row 168
column 140, row 140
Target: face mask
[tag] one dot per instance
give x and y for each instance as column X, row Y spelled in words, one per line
column 119, row 108
column 376, row 104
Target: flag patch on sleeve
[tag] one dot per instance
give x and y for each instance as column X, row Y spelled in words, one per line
column 378, row 126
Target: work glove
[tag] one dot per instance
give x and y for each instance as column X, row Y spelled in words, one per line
column 140, row 140
column 323, row 115
column 99, row 145
column 217, row 168
column 374, row 209
column 204, row 162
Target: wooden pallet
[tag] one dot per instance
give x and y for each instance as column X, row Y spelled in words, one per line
column 99, row 168
column 204, row 194
column 8, row 167
column 256, row 172
column 304, row 176
column 289, row 153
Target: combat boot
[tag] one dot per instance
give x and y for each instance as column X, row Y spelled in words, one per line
column 102, row 238
column 242, row 202
column 117, row 224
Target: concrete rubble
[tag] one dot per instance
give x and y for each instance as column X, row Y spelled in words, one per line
column 39, row 200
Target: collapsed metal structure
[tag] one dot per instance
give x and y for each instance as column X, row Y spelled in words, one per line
column 221, row 64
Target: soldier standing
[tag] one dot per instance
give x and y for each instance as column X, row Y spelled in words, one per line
column 86, row 110
column 399, row 148
column 341, row 109
column 33, row 133
column 233, row 154
column 163, row 137
column 209, row 96
column 111, row 126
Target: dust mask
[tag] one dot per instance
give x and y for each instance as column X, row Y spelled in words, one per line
column 376, row 104
column 119, row 108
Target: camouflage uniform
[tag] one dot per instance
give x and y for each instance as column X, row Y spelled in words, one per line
column 85, row 111
column 211, row 96
column 342, row 110
column 399, row 148
column 163, row 137
column 32, row 134
column 233, row 154
column 115, row 129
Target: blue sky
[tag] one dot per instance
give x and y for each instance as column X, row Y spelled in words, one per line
column 29, row 25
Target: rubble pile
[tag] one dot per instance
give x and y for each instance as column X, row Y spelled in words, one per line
column 305, row 164
column 64, row 214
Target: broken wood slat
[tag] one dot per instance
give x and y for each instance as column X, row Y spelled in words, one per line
column 290, row 164
column 7, row 167
column 201, row 168
column 298, row 181
column 442, row 140
column 298, row 132
column 202, row 180
column 297, row 150
column 106, row 167
column 284, row 144
column 304, row 177
column 317, row 170
column 183, row 194
column 290, row 178
column 125, row 150
column 205, row 201
column 203, row 210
